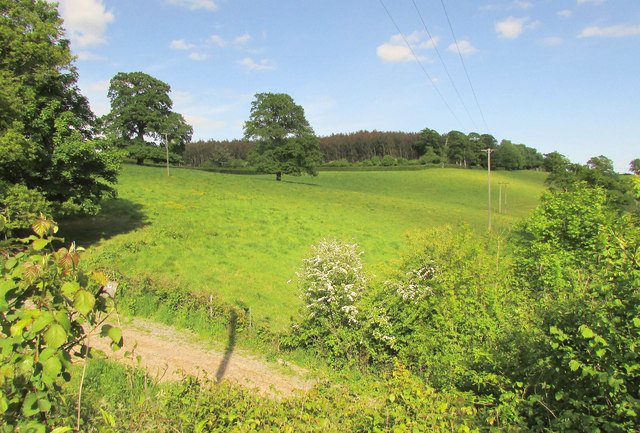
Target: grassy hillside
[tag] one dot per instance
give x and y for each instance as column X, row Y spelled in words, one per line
column 244, row 236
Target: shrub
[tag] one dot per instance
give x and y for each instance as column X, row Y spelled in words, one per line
column 21, row 206
column 47, row 310
column 331, row 282
column 388, row 161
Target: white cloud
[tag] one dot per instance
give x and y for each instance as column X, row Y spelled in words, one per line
column 595, row 2
column 565, row 13
column 181, row 97
column 522, row 4
column 88, row 55
column 100, row 86
column 463, row 47
column 218, row 40
column 617, row 31
column 241, row 40
column 85, row 21
column 513, row 27
column 180, row 44
column 264, row 64
column 203, row 122
column 552, row 40
column 195, row 4
column 515, row 4
column 197, row 56
column 397, row 50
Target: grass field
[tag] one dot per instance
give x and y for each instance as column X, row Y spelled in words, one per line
column 243, row 236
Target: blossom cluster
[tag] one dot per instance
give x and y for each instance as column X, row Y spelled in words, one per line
column 331, row 279
column 417, row 285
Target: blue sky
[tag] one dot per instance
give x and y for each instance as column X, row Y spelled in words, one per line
column 552, row 74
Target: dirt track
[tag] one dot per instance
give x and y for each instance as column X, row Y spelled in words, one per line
column 166, row 352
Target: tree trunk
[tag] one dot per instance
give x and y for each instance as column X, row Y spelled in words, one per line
column 139, row 161
column 279, row 176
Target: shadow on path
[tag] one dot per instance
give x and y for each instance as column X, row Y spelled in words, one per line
column 231, row 344
column 116, row 216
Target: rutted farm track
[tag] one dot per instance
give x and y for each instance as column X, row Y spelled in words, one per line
column 166, row 353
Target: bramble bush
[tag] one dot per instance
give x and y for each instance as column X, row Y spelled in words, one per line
column 48, row 309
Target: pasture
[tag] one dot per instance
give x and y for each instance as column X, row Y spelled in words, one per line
column 243, row 236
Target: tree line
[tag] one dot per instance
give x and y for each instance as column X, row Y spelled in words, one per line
column 370, row 147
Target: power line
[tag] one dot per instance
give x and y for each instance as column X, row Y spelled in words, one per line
column 443, row 64
column 419, row 62
column 464, row 66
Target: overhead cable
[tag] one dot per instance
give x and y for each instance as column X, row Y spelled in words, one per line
column 464, row 66
column 419, row 62
column 443, row 64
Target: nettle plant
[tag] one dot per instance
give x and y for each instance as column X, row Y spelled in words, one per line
column 48, row 310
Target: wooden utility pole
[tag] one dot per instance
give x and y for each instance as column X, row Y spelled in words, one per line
column 488, row 150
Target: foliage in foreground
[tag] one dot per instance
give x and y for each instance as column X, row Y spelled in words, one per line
column 47, row 310
column 122, row 401
column 549, row 343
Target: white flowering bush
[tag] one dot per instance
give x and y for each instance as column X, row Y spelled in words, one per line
column 331, row 281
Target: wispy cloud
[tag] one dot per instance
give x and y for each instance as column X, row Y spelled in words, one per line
column 516, row 4
column 513, row 27
column 203, row 122
column 396, row 49
column 198, row 56
column 565, row 13
column 595, row 2
column 243, row 39
column 195, row 4
column 88, row 55
column 85, row 21
column 617, row 31
column 463, row 47
column 180, row 44
column 100, row 86
column 218, row 40
column 251, row 65
column 552, row 40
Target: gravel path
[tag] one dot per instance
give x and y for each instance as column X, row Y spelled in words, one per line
column 165, row 352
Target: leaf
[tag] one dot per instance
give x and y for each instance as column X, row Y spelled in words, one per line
column 30, row 405
column 40, row 244
column 70, row 288
column 99, row 277
column 42, row 226
column 574, row 365
column 83, row 302
column 61, row 429
column 586, row 331
column 42, row 321
column 55, row 336
column 52, row 367
column 63, row 319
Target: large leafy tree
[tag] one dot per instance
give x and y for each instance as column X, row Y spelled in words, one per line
column 46, row 142
column 141, row 116
column 284, row 141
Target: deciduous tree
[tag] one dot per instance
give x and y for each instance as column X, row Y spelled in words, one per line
column 284, row 141
column 141, row 115
column 45, row 123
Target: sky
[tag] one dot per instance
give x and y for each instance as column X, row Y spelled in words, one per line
column 556, row 75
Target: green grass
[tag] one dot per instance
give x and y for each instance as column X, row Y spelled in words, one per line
column 243, row 236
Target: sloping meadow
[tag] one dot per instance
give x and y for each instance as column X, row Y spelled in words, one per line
column 242, row 237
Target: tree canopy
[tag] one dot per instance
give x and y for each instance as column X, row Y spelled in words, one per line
column 284, row 141
column 46, row 141
column 141, row 115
